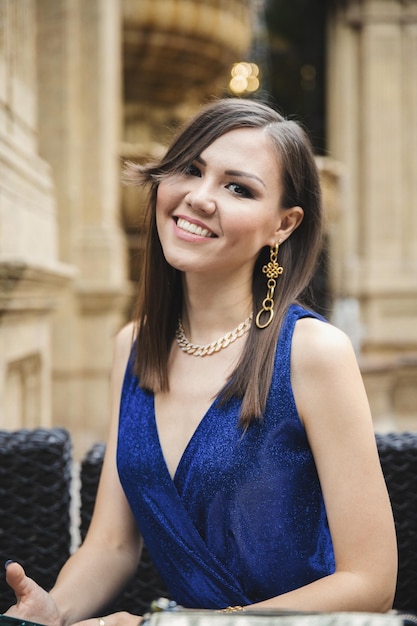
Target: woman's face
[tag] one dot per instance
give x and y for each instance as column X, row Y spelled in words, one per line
column 219, row 214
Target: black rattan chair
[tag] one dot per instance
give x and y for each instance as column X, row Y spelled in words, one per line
column 398, row 456
column 146, row 585
column 35, row 484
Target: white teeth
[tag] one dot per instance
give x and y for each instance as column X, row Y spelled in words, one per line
column 193, row 228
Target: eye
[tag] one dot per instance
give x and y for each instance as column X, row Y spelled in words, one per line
column 239, row 190
column 192, row 170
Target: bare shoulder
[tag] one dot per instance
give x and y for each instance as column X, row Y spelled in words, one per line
column 123, row 346
column 121, row 351
column 125, row 337
column 321, row 344
column 326, row 377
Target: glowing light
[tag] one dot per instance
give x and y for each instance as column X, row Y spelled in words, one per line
column 244, row 77
column 241, row 69
column 238, row 84
column 253, row 83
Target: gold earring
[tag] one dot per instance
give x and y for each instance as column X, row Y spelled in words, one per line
column 272, row 271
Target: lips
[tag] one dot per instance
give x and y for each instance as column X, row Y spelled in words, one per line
column 194, row 229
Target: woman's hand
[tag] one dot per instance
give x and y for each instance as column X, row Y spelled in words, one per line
column 32, row 602
column 115, row 619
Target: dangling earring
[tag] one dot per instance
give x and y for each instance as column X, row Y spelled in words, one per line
column 272, row 271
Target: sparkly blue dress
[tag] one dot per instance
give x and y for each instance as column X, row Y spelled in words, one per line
column 243, row 519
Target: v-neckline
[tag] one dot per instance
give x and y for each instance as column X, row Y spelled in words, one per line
column 175, row 478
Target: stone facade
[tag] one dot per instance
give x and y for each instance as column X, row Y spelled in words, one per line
column 32, row 276
column 84, row 85
column 62, row 251
column 372, row 130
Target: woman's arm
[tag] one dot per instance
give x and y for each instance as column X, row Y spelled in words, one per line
column 332, row 403
column 97, row 571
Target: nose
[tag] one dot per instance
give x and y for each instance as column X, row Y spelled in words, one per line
column 201, row 199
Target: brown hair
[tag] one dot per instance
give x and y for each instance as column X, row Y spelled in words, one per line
column 160, row 295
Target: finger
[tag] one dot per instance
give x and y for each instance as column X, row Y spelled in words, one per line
column 18, row 581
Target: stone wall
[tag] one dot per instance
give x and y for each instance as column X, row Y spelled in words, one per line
column 63, row 285
column 82, row 85
column 372, row 130
column 31, row 274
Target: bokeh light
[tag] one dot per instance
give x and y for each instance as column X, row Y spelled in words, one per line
column 244, row 78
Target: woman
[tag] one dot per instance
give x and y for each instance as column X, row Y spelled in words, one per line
column 246, row 452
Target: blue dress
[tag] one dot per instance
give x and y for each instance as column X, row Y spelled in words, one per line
column 243, row 519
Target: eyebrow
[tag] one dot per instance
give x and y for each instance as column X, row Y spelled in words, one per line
column 235, row 172
column 245, row 175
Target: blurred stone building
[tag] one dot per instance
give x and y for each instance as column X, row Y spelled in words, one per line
column 372, row 133
column 86, row 84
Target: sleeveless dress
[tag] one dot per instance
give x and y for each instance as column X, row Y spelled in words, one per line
column 243, row 519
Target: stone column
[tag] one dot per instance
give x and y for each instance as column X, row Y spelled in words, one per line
column 31, row 275
column 372, row 98
column 80, row 120
column 372, row 90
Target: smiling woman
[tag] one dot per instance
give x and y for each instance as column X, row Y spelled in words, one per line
column 279, row 195
column 229, row 201
column 235, row 408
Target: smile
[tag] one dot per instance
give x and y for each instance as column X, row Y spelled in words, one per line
column 193, row 228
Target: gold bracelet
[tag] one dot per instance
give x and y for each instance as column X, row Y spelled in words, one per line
column 231, row 609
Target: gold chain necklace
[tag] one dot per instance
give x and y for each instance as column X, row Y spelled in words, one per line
column 196, row 349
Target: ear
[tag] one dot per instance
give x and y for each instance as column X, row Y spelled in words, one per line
column 290, row 220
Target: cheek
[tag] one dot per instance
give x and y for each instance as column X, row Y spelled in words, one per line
column 168, row 198
column 162, row 196
column 255, row 228
column 163, row 204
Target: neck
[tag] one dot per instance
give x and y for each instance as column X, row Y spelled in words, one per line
column 211, row 311
column 202, row 292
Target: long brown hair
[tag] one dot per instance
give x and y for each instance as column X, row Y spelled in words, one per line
column 160, row 294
